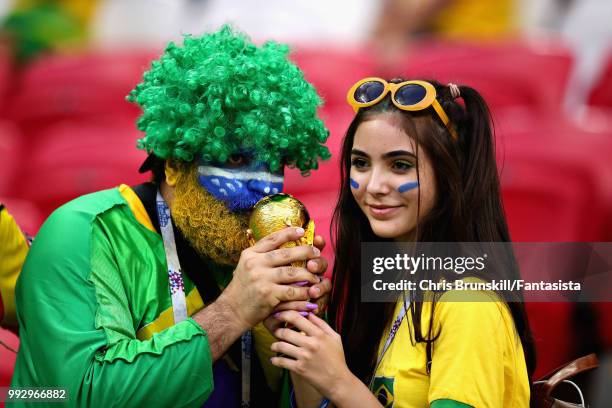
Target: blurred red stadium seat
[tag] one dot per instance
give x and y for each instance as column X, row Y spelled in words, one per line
column 556, row 187
column 68, row 86
column 333, row 71
column 556, row 183
column 601, row 96
column 27, row 214
column 6, row 69
column 327, row 176
column 11, row 155
column 553, row 334
column 547, row 201
column 74, row 158
column 7, row 357
column 508, row 74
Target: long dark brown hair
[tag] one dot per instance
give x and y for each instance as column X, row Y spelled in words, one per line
column 468, row 208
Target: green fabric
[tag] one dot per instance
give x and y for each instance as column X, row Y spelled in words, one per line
column 222, row 274
column 93, row 277
column 446, row 403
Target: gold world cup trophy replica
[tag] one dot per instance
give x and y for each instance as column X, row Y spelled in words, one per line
column 278, row 211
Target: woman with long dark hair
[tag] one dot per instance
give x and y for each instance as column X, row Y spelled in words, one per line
column 416, row 166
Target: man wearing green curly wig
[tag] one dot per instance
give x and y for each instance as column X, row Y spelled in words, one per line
column 148, row 294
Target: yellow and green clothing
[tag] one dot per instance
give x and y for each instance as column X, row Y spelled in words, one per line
column 37, row 26
column 95, row 311
column 13, row 250
column 476, row 20
column 476, row 361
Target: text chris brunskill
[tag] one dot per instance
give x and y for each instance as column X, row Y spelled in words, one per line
column 500, row 285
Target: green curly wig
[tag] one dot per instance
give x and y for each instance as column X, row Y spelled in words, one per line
column 220, row 94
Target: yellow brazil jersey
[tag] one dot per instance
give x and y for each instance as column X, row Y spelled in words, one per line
column 477, row 359
column 13, row 250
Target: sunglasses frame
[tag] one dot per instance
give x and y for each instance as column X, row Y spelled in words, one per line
column 426, row 102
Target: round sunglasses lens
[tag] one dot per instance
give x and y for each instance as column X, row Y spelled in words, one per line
column 410, row 94
column 368, row 91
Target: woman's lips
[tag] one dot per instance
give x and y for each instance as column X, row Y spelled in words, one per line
column 383, row 211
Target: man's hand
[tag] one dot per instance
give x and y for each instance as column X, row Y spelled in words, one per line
column 262, row 280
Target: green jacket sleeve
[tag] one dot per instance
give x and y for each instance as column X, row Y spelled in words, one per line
column 77, row 331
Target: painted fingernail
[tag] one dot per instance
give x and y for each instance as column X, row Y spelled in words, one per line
column 316, row 251
column 301, row 283
column 311, row 306
column 300, row 231
column 277, row 315
column 304, row 314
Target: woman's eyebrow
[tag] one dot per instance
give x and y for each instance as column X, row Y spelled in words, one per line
column 397, row 153
column 388, row 155
column 359, row 153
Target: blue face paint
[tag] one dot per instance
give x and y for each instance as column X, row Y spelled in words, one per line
column 354, row 184
column 408, row 186
column 239, row 188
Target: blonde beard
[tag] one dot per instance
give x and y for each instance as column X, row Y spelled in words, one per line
column 206, row 223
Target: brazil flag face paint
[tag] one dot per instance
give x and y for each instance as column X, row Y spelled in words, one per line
column 240, row 182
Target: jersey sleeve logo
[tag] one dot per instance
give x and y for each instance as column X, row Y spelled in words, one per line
column 383, row 390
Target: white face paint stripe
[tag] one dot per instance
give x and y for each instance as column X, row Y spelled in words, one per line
column 240, row 175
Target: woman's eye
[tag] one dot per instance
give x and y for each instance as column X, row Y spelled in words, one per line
column 402, row 165
column 359, row 163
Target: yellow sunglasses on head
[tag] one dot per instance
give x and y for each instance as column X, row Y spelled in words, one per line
column 407, row 95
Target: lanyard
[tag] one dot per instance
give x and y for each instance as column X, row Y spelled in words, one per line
column 177, row 292
column 175, row 277
column 392, row 332
column 247, row 347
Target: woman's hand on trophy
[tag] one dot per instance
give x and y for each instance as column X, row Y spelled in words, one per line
column 273, row 322
column 314, row 352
